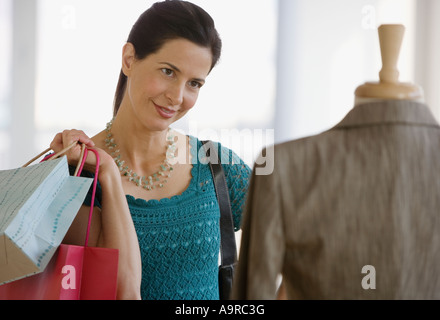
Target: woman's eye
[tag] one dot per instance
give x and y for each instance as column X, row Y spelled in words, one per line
column 195, row 84
column 167, row 72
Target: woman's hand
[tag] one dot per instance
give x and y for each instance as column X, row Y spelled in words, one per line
column 67, row 137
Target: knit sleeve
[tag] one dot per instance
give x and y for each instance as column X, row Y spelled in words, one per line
column 237, row 178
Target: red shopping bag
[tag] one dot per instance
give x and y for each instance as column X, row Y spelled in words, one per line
column 74, row 272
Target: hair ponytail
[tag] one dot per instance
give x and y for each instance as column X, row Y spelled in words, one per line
column 119, row 94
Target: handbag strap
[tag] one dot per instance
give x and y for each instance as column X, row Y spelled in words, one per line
column 228, row 247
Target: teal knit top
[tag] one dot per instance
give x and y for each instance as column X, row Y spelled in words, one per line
column 179, row 237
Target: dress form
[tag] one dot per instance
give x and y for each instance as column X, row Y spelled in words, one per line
column 389, row 87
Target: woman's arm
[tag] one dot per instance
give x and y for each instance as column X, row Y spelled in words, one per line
column 112, row 226
column 117, row 231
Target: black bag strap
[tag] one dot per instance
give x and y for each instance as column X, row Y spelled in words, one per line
column 228, row 247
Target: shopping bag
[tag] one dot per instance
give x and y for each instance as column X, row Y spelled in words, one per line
column 37, row 206
column 74, row 273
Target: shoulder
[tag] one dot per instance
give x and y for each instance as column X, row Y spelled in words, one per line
column 99, row 139
column 226, row 155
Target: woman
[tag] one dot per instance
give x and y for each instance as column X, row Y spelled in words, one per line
column 156, row 200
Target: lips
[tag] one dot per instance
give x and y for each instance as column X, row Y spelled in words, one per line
column 165, row 112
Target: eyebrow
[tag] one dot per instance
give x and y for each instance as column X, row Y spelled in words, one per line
column 172, row 66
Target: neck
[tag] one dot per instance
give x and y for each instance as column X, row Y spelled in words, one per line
column 141, row 148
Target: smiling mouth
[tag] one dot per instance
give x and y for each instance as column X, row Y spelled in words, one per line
column 164, row 112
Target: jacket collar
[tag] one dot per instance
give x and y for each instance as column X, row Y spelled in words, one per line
column 388, row 112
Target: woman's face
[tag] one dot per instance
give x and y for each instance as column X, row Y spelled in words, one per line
column 164, row 86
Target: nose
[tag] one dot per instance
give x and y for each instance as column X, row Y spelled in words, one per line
column 175, row 93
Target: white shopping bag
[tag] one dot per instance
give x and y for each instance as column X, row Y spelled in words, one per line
column 37, row 206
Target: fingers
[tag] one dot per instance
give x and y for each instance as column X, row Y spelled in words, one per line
column 63, row 140
column 67, row 137
column 70, row 136
column 57, row 142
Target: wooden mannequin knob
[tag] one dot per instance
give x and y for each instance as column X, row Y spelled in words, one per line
column 389, row 87
column 390, row 39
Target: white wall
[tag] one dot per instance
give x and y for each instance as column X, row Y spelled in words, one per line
column 427, row 61
column 287, row 65
column 325, row 50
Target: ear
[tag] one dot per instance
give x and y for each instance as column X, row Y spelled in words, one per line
column 128, row 58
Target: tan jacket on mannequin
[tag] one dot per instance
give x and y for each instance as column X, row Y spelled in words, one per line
column 365, row 193
column 351, row 213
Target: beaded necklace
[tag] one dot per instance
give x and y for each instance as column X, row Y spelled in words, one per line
column 157, row 179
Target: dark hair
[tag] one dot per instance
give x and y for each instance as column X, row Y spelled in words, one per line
column 168, row 20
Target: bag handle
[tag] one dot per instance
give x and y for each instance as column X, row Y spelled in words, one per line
column 52, row 156
column 95, row 183
column 78, row 170
column 57, row 155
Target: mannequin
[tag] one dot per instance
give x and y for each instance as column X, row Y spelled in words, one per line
column 389, row 87
column 358, row 198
